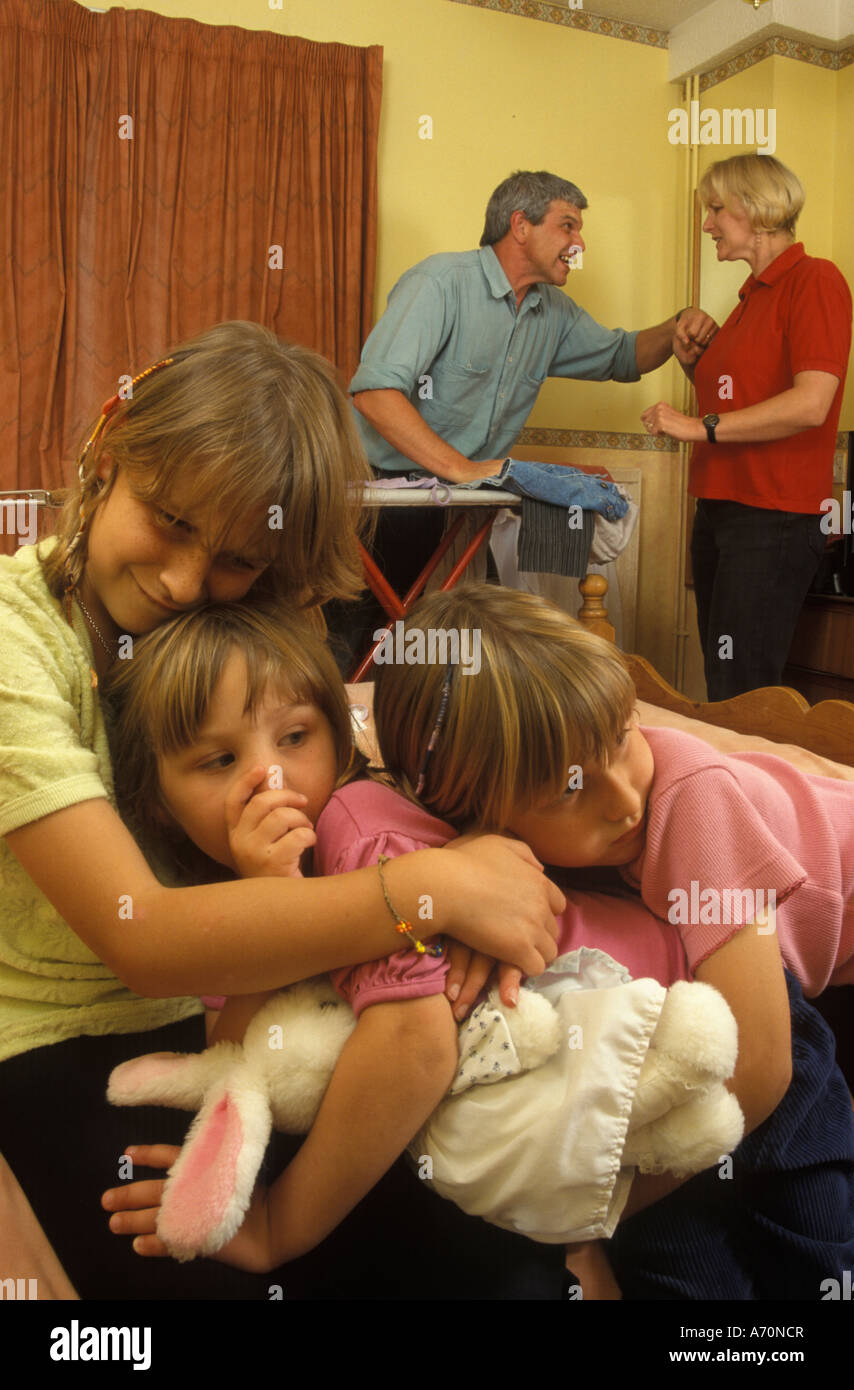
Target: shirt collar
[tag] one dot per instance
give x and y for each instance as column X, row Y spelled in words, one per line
column 499, row 285
column 775, row 270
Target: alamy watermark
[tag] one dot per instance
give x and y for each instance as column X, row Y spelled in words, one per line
column 19, row 518
column 729, row 907
column 429, row 647
column 838, row 519
column 731, row 126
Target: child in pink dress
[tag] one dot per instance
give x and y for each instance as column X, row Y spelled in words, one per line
column 750, row 860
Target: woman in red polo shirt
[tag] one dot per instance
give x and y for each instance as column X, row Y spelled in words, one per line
column 769, row 388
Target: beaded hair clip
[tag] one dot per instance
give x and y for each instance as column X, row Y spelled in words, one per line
column 106, row 411
column 437, row 727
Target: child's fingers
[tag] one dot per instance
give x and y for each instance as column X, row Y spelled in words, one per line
column 135, row 1223
column 153, row 1155
column 241, row 791
column 272, row 820
column 263, row 804
column 458, row 964
column 133, row 1197
column 479, row 970
column 509, row 980
column 149, row 1245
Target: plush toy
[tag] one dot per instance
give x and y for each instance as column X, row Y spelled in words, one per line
column 660, row 1058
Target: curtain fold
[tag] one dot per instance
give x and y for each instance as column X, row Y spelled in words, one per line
column 160, row 175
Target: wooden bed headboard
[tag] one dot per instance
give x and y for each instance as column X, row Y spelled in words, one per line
column 777, row 713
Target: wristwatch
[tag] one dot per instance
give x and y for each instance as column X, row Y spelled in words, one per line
column 710, row 421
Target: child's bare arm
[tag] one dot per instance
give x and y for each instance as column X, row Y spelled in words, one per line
column 392, row 1073
column 748, row 971
column 236, row 1015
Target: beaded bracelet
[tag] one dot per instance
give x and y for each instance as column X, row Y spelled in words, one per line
column 403, row 927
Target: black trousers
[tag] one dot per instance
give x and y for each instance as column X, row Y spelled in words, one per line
column 752, row 571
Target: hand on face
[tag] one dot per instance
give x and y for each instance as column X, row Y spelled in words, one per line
column 268, row 830
column 252, row 780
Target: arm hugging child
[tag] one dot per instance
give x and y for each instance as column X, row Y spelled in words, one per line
column 234, row 731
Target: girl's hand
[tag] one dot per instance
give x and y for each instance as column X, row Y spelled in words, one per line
column 663, row 419
column 468, row 974
column 502, row 904
column 136, row 1205
column 268, row 831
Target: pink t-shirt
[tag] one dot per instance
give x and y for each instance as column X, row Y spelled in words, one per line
column 726, row 831
column 365, row 819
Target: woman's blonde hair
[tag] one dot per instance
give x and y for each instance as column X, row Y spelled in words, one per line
column 256, row 428
column 548, row 696
column 158, row 699
column 772, row 196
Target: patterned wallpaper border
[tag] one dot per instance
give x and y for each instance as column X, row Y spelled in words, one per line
column 574, row 19
column 533, row 435
column 658, row 38
column 594, row 439
column 777, row 48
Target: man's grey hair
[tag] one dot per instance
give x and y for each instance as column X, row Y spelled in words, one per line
column 529, row 193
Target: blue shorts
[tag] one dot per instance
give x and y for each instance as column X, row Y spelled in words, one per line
column 783, row 1222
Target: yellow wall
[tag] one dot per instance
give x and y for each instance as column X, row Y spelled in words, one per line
column 815, row 137
column 843, row 205
column 506, row 93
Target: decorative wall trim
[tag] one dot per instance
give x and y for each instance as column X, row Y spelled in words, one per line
column 777, row 48
column 658, row 38
column 574, row 19
column 607, row 439
column 595, row 439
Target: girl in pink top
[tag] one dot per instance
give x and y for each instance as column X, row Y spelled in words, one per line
column 233, row 736
column 751, row 861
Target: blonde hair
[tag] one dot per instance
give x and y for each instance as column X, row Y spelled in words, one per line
column 549, row 695
column 245, row 422
column 772, row 196
column 159, row 698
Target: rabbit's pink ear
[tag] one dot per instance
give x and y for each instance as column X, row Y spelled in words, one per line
column 210, row 1185
column 171, row 1078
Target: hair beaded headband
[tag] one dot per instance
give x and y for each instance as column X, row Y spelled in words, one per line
column 72, row 554
column 437, row 727
column 106, row 411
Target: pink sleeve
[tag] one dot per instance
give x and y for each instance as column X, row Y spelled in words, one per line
column 710, row 865
column 403, row 975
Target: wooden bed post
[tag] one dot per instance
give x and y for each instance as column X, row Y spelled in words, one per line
column 593, row 612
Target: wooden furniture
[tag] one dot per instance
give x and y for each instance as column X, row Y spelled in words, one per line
column 821, row 658
column 777, row 713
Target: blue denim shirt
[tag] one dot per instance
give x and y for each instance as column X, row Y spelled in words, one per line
column 559, row 484
column 453, row 342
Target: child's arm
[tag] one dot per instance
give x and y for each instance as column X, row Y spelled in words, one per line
column 391, row 1075
column 393, row 1071
column 257, row 934
column 748, row 972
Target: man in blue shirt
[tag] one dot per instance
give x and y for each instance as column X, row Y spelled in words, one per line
column 451, row 371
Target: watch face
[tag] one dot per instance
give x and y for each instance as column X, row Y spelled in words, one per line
column 711, row 420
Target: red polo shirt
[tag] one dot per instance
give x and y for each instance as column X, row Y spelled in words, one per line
column 794, row 317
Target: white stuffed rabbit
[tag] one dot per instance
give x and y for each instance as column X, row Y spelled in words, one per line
column 672, row 1052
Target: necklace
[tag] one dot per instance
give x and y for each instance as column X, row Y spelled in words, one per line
column 97, row 631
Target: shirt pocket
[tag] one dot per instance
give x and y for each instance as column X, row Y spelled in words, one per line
column 463, row 391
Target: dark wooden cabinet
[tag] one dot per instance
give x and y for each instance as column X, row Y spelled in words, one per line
column 821, row 659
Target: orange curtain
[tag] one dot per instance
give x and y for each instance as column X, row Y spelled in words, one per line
column 157, row 176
